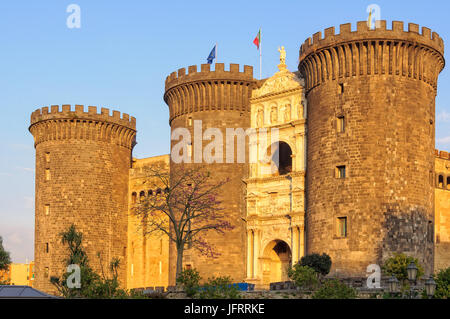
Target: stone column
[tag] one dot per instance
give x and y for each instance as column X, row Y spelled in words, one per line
column 295, row 244
column 301, row 236
column 249, row 254
column 256, row 239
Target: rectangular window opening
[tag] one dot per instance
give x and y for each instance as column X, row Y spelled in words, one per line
column 342, row 227
column 341, row 171
column 340, row 124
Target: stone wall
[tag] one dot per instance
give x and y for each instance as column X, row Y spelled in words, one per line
column 383, row 84
column 82, row 164
column 442, row 208
column 220, row 99
column 148, row 254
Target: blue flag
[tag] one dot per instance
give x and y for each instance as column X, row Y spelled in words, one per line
column 212, row 55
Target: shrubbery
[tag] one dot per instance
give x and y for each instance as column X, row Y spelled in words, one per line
column 214, row 288
column 335, row 289
column 93, row 285
column 397, row 265
column 443, row 284
column 320, row 263
column 189, row 279
column 304, row 276
column 219, row 288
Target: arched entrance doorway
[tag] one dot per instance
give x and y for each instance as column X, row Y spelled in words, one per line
column 275, row 262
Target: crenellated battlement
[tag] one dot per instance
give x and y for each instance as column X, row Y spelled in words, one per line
column 219, row 73
column 372, row 52
column 67, row 113
column 65, row 124
column 209, row 90
column 397, row 32
column 442, row 154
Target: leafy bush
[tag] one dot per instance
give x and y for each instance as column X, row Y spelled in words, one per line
column 303, row 276
column 5, row 258
column 189, row 279
column 335, row 289
column 397, row 265
column 320, row 263
column 219, row 288
column 92, row 284
column 442, row 284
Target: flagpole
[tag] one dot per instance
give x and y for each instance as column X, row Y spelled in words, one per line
column 260, row 55
column 217, row 59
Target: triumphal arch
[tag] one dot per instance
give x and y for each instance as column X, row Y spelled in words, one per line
column 276, row 183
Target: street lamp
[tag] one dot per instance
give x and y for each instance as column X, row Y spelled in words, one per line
column 412, row 272
column 393, row 285
column 430, row 287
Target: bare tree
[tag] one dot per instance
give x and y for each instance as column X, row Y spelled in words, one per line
column 184, row 207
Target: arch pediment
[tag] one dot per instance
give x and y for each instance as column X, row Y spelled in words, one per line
column 280, row 82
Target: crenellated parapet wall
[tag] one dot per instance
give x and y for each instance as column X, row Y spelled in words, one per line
column 65, row 123
column 372, row 52
column 209, row 90
column 442, row 154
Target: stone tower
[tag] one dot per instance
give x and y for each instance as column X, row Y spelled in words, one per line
column 370, row 159
column 82, row 165
column 220, row 99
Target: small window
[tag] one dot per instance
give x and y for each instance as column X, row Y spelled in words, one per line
column 47, row 174
column 47, row 157
column 133, row 198
column 342, row 226
column 188, row 266
column 150, row 192
column 141, row 195
column 46, row 247
column 341, row 88
column 46, row 272
column 340, row 124
column 47, row 209
column 189, row 121
column 340, row 171
column 441, row 181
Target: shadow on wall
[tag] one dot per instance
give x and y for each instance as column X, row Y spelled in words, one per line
column 411, row 233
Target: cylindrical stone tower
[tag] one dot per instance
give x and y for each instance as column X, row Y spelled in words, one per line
column 220, row 99
column 371, row 122
column 82, row 167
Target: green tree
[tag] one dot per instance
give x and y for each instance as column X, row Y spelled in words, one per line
column 320, row 263
column 93, row 285
column 397, row 265
column 443, row 284
column 303, row 276
column 335, row 289
column 5, row 259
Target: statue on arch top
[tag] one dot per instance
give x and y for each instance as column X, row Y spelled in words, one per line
column 282, row 65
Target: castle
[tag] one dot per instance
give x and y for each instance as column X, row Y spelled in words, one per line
column 358, row 175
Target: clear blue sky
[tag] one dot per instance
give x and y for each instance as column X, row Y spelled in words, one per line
column 120, row 56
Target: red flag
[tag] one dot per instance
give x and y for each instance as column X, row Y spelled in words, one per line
column 257, row 40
